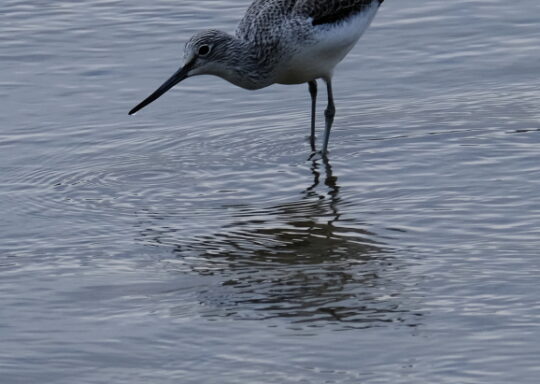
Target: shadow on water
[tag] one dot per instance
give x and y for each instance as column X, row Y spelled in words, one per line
column 299, row 260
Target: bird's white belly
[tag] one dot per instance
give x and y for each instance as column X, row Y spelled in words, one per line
column 331, row 45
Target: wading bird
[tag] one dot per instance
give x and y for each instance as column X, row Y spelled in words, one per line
column 279, row 41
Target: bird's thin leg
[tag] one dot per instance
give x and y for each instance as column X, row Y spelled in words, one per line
column 313, row 93
column 329, row 115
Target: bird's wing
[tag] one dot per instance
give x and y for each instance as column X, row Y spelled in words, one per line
column 262, row 15
column 332, row 11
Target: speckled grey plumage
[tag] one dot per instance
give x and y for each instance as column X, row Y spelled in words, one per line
column 269, row 13
column 274, row 28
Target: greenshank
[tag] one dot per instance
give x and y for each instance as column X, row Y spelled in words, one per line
column 279, row 42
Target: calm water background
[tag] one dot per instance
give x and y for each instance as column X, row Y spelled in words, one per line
column 195, row 243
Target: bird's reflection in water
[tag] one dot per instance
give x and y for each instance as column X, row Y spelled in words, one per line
column 298, row 260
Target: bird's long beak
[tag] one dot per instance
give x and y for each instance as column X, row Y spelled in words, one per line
column 180, row 75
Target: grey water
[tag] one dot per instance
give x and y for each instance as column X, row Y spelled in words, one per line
column 196, row 243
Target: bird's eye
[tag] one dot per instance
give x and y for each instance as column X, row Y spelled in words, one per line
column 204, row 50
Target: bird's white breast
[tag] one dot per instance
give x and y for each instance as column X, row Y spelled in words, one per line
column 330, row 45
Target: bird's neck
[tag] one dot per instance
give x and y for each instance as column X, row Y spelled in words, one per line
column 243, row 66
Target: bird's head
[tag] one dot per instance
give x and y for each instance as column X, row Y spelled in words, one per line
column 209, row 52
column 206, row 53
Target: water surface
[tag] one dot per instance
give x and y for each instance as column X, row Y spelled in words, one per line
column 196, row 243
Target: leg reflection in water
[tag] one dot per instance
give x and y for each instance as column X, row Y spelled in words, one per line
column 304, row 261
